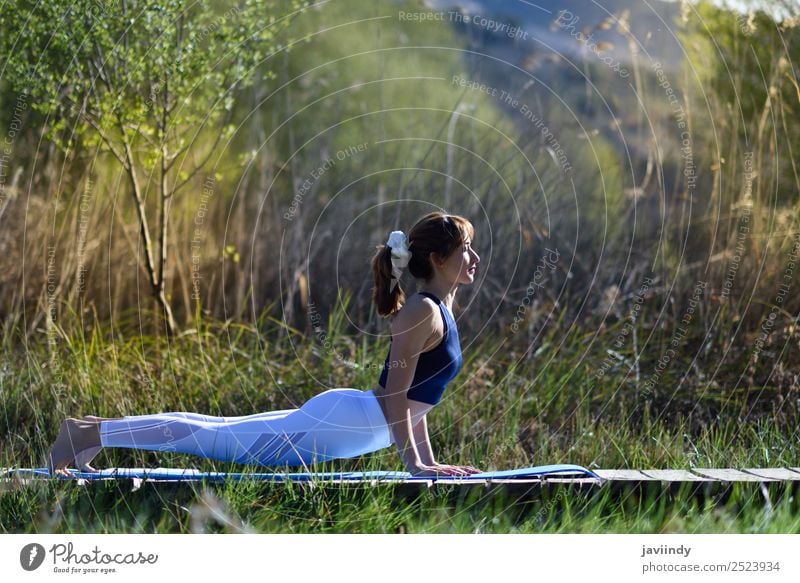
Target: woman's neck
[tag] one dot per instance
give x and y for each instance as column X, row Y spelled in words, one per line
column 445, row 295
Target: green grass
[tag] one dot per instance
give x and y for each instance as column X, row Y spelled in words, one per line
column 499, row 413
column 294, row 508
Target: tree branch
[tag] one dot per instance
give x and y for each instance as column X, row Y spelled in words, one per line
column 140, row 210
column 164, row 203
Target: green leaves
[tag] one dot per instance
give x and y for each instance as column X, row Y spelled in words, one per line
column 139, row 60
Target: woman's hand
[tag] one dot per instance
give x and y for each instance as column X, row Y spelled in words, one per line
column 437, row 469
column 423, row 470
column 463, row 470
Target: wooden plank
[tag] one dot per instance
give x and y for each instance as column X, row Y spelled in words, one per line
column 774, row 473
column 578, row 481
column 729, row 475
column 675, row 476
column 624, row 475
column 795, row 470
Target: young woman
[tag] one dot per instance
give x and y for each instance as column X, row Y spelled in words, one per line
column 425, row 355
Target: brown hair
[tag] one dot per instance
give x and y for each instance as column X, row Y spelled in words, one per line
column 436, row 232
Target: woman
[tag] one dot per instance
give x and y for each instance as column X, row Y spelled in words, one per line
column 425, row 355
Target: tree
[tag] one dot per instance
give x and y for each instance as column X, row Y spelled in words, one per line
column 137, row 78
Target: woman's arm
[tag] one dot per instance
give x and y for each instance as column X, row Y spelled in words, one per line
column 411, row 328
column 423, row 442
column 398, row 415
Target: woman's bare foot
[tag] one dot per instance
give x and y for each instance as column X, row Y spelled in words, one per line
column 76, row 440
column 83, row 458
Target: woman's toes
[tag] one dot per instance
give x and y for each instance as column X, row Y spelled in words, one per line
column 82, row 458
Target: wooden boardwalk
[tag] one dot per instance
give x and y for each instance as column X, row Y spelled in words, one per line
column 704, row 475
column 709, row 479
column 700, row 483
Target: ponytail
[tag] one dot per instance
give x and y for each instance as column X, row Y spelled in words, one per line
column 388, row 298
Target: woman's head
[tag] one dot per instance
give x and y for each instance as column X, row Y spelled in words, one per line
column 432, row 241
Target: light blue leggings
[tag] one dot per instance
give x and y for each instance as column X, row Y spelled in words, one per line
column 338, row 423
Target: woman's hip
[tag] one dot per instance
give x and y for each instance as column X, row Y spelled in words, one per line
column 353, row 408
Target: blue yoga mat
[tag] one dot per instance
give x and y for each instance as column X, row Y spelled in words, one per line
column 181, row 475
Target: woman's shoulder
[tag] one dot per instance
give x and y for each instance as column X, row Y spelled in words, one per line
column 417, row 309
column 419, row 304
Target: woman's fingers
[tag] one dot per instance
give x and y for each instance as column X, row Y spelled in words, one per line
column 456, row 470
column 448, row 470
column 467, row 469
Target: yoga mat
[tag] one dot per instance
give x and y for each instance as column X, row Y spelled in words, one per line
column 187, row 475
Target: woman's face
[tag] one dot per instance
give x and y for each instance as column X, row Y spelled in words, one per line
column 460, row 267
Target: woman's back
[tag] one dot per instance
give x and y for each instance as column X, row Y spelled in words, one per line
column 435, row 367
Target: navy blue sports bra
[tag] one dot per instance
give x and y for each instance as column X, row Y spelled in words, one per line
column 435, row 367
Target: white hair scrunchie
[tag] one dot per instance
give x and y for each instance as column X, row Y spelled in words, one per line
column 400, row 255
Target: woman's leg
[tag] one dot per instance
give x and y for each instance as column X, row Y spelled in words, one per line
column 338, row 423
column 69, row 446
column 84, row 458
column 213, row 419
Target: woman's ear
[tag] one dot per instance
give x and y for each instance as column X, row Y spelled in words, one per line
column 434, row 259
